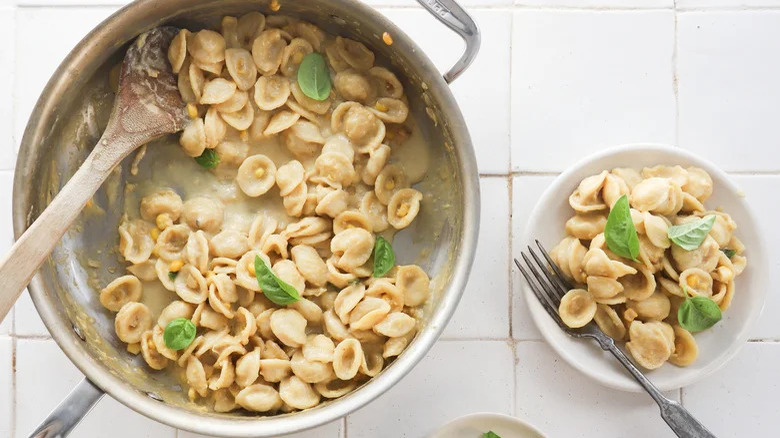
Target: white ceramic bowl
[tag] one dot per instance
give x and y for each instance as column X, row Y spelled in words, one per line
column 474, row 425
column 716, row 345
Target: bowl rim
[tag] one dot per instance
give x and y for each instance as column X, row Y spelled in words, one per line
column 496, row 416
column 758, row 263
column 59, row 325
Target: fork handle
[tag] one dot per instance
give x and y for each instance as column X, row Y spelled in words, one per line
column 676, row 416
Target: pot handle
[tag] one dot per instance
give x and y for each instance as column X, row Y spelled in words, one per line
column 456, row 18
column 70, row 411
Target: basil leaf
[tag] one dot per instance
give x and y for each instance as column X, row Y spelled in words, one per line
column 179, row 334
column 698, row 313
column 490, row 434
column 619, row 232
column 729, row 252
column 172, row 275
column 208, row 159
column 272, row 286
column 689, row 236
column 384, row 258
column 314, row 77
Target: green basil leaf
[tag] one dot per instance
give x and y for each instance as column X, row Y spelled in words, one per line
column 619, row 232
column 272, row 286
column 689, row 236
column 490, row 434
column 698, row 313
column 384, row 258
column 314, row 77
column 208, row 159
column 729, row 252
column 172, row 275
column 179, row 334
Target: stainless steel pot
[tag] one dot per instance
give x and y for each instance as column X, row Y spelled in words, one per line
column 442, row 240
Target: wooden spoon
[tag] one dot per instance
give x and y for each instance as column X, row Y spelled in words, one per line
column 147, row 106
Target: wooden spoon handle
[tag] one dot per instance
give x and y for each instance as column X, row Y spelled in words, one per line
column 19, row 265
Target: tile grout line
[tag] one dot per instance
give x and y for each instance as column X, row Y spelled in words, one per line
column 14, row 391
column 344, row 428
column 510, row 250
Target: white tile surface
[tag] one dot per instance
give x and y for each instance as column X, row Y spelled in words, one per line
column 487, row 292
column 561, row 401
column 483, row 90
column 7, row 154
column 728, row 88
column 455, row 378
column 44, row 376
column 330, row 430
column 740, row 400
column 26, row 319
column 578, row 86
column 39, row 53
column 756, row 189
column 6, row 383
column 526, row 190
column 629, row 4
column 734, row 4
column 6, row 225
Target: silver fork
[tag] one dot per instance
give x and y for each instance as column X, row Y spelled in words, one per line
column 549, row 286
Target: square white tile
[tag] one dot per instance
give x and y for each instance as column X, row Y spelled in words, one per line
column 26, row 319
column 330, row 430
column 632, row 4
column 526, row 190
column 44, row 376
column 7, row 150
column 445, row 385
column 733, row 4
column 6, row 224
column 561, row 401
column 728, row 88
column 6, row 382
column 413, row 3
column 487, row 291
column 757, row 190
column 39, row 54
column 582, row 80
column 741, row 399
column 483, row 90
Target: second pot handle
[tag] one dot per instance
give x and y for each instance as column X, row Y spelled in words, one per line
column 456, row 18
column 70, row 411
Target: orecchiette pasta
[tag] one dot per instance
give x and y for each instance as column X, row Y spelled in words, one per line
column 638, row 300
column 305, row 185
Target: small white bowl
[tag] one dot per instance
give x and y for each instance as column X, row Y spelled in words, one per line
column 474, row 425
column 716, row 345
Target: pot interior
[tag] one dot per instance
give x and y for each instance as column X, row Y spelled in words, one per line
column 74, row 109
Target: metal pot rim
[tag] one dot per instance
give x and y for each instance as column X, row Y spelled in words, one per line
column 68, row 339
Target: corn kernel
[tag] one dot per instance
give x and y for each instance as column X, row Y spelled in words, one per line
column 163, row 221
column 175, row 265
column 630, row 314
column 241, row 67
column 403, row 210
column 251, row 269
column 390, row 184
column 192, row 110
column 275, row 6
column 134, row 348
column 155, row 233
column 259, row 172
column 692, row 281
column 387, row 39
column 155, row 252
column 381, row 107
column 90, row 203
column 244, row 135
column 297, row 58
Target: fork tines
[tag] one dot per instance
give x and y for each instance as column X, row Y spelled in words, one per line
column 545, row 280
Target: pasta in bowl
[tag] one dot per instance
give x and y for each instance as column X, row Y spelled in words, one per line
column 648, row 234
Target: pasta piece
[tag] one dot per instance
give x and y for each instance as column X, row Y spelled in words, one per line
column 207, row 46
column 587, row 198
column 135, row 241
column 368, row 313
column 241, row 67
column 304, row 139
column 413, row 283
column 347, row 358
column 359, row 124
column 597, row 263
column 335, row 388
column 158, row 348
column 390, row 110
column 335, row 167
column 609, row 322
column 310, row 371
column 614, row 188
column 396, row 324
column 214, row 127
column 657, row 195
column 640, row 285
column 320, row 107
column 293, row 54
column 177, row 309
column 143, row 271
column 152, row 357
column 685, row 349
column 193, row 138
column 386, row 82
column 569, row 256
column 177, row 51
column 190, row 285
column 165, row 202
column 281, row 121
column 697, row 282
column 310, row 264
column 196, row 251
column 333, row 326
column 656, row 307
column 403, row 207
column 240, row 120
column 121, row 291
column 677, row 174
column 289, row 327
column 132, row 320
column 298, row 394
column 271, row 92
column 203, row 214
column 354, row 85
column 586, row 226
column 267, row 51
column 216, row 91
column 355, row 53
column 286, row 270
column 259, row 398
column 577, row 308
column 256, row 175
column 705, row 257
column 319, row 348
column 172, row 242
column 699, row 184
column 347, row 299
column 237, row 101
column 353, row 247
column 375, row 211
column 648, row 344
